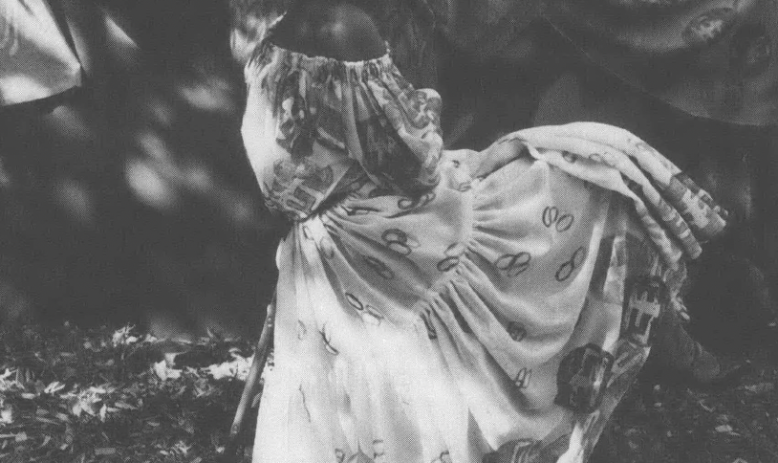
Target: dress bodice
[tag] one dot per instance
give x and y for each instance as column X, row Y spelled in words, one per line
column 316, row 128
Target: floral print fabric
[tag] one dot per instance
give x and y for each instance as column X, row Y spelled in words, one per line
column 465, row 306
column 335, row 122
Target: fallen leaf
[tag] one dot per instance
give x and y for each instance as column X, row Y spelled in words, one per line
column 8, row 414
column 45, row 420
column 760, row 388
column 164, row 372
column 124, row 406
column 21, row 437
column 54, row 387
column 724, row 429
column 105, row 451
column 705, row 407
column 182, row 448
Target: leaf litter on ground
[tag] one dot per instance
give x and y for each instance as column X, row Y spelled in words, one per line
column 68, row 394
column 104, row 395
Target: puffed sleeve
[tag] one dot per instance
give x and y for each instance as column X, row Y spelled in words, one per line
column 394, row 129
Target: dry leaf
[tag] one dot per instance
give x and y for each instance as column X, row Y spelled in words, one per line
column 760, row 388
column 105, row 451
column 54, row 387
column 724, row 429
column 8, row 414
column 164, row 372
column 124, row 406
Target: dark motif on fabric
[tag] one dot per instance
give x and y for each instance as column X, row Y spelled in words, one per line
column 523, row 378
column 358, row 210
column 305, row 403
column 514, row 264
column 368, row 313
column 517, row 331
column 379, row 191
column 709, row 26
column 407, row 203
column 327, row 341
column 387, row 158
column 582, row 378
column 302, row 330
column 329, row 127
column 295, row 126
column 307, row 234
column 453, row 254
column 379, row 450
column 379, row 267
column 359, row 457
column 647, row 297
column 597, row 157
column 399, row 241
column 315, row 181
column 529, row 451
column 424, row 109
column 444, row 457
column 569, row 157
column 461, row 187
column 750, row 50
column 569, row 267
column 559, row 220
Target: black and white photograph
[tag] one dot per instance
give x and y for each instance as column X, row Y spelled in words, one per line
column 388, row 231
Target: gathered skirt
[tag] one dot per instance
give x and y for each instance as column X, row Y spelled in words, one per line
column 499, row 317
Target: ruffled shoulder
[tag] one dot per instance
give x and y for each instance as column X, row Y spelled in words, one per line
column 365, row 110
column 677, row 214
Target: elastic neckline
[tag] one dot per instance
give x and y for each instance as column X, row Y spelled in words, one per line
column 321, row 59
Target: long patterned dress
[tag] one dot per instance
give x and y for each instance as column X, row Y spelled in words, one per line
column 453, row 306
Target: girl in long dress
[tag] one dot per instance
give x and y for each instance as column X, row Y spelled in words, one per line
column 449, row 306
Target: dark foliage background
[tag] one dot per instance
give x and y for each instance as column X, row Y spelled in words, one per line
column 133, row 201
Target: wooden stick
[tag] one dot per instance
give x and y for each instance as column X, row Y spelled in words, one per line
column 251, row 389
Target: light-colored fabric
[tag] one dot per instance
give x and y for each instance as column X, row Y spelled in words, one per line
column 35, row 59
column 327, row 123
column 497, row 316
